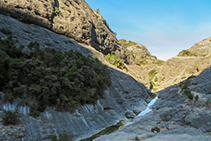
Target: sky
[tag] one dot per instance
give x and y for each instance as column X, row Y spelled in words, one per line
column 165, row 27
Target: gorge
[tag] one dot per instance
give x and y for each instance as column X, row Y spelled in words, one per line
column 66, row 25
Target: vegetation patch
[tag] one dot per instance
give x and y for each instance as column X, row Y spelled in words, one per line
column 116, row 61
column 155, row 129
column 128, row 43
column 185, row 53
column 5, row 31
column 186, row 89
column 10, row 117
column 183, row 77
column 152, row 73
column 160, row 62
column 48, row 77
column 56, row 10
column 156, row 79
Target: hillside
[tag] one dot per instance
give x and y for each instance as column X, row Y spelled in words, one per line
column 41, row 104
column 65, row 76
column 148, row 62
column 174, row 116
column 187, row 63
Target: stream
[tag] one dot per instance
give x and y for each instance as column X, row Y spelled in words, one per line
column 121, row 124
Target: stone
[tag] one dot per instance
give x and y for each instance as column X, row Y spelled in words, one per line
column 145, row 136
column 12, row 133
column 130, row 115
column 120, row 96
column 74, row 19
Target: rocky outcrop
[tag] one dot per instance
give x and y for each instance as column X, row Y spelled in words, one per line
column 180, row 68
column 124, row 95
column 147, row 62
column 72, row 18
column 177, row 117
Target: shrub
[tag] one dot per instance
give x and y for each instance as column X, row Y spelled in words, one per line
column 115, row 60
column 156, row 79
column 152, row 73
column 160, row 62
column 56, row 10
column 188, row 93
column 10, row 117
column 186, row 84
column 154, row 57
column 185, row 53
column 5, row 31
column 183, row 77
column 192, row 76
column 175, row 79
column 155, row 129
column 50, row 77
column 186, row 90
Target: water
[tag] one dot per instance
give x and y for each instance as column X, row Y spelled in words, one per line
column 107, row 130
column 121, row 124
column 147, row 110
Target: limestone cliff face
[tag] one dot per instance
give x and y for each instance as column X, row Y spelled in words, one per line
column 72, row 18
column 147, row 61
column 124, row 95
column 177, row 117
column 193, row 62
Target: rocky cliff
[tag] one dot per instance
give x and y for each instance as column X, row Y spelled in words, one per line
column 72, row 18
column 188, row 63
column 124, row 95
column 174, row 116
column 147, row 62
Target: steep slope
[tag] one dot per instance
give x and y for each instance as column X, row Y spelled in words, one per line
column 148, row 62
column 72, row 18
column 173, row 116
column 188, row 62
column 124, row 95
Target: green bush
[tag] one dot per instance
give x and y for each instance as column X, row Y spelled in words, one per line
column 192, row 76
column 115, row 60
column 152, row 73
column 10, row 117
column 183, row 77
column 50, row 77
column 186, row 90
column 156, row 79
column 188, row 93
column 160, row 62
column 56, row 10
column 185, row 53
column 155, row 129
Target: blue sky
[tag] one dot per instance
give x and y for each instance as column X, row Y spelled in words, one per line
column 165, row 27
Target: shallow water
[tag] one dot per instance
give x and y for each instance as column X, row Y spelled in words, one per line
column 120, row 124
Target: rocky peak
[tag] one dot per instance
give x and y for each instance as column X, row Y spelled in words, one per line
column 135, row 47
column 190, row 62
column 72, row 18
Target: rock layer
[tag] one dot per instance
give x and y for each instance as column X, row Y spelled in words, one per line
column 124, row 95
column 177, row 117
column 72, row 18
column 179, row 68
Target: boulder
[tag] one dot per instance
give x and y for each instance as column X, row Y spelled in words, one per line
column 130, row 115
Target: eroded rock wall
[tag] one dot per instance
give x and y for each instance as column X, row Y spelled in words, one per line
column 124, row 95
column 178, row 68
column 72, row 18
